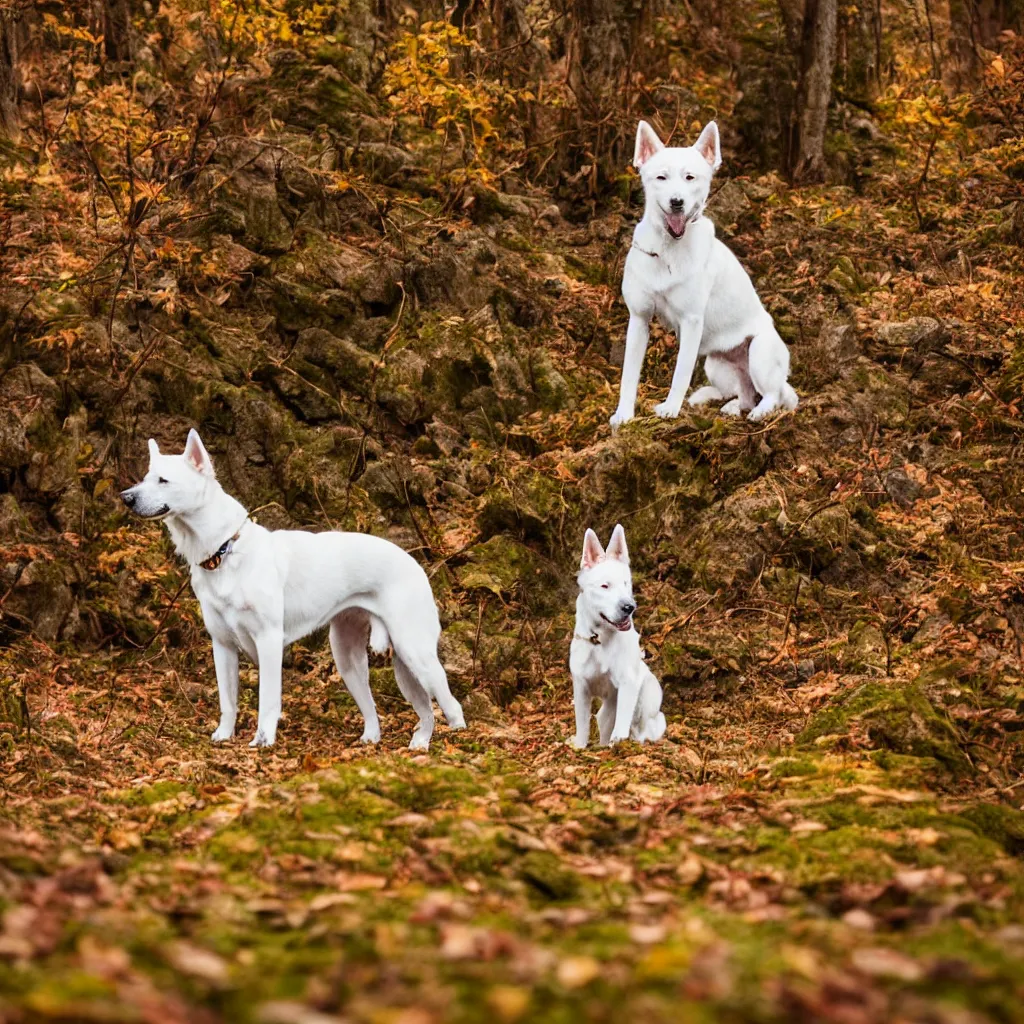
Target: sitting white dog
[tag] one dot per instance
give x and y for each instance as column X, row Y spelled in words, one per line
column 604, row 656
column 260, row 590
column 677, row 269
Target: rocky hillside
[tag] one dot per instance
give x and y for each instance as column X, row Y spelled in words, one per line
column 832, row 599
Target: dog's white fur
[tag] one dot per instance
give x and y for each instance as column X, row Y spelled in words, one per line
column 604, row 657
column 272, row 588
column 677, row 269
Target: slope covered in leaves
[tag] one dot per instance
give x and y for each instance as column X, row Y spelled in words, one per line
column 832, row 828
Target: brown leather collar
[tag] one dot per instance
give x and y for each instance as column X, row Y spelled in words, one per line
column 213, row 562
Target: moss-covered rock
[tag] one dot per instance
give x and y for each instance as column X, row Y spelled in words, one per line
column 893, row 715
column 1003, row 824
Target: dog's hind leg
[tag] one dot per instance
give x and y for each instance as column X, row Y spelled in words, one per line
column 420, row 657
column 769, row 368
column 606, row 718
column 420, row 700
column 348, row 645
column 704, row 395
column 728, row 373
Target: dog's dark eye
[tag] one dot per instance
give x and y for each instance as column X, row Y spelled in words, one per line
column 604, row 586
column 161, row 480
column 662, row 177
column 689, row 177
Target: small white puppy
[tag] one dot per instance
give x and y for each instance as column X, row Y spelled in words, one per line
column 260, row 590
column 604, row 656
column 677, row 270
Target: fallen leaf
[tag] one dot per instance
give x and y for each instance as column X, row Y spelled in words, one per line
column 509, row 1002
column 197, row 962
column 358, row 882
column 577, row 971
column 647, row 934
column 860, row 919
column 880, row 962
column 802, row 828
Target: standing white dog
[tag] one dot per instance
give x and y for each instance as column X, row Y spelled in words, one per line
column 677, row 269
column 604, row 656
column 260, row 590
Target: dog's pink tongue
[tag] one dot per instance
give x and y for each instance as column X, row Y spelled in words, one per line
column 676, row 223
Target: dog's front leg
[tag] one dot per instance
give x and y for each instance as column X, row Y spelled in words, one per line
column 225, row 660
column 624, row 710
column 689, row 331
column 269, row 651
column 637, row 335
column 583, row 702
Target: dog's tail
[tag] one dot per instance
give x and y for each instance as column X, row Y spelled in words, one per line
column 379, row 639
column 788, row 396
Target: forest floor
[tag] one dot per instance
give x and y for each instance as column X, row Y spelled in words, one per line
column 832, row 828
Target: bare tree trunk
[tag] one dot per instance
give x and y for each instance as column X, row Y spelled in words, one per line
column 117, row 29
column 814, row 90
column 600, row 47
column 961, row 44
column 9, row 78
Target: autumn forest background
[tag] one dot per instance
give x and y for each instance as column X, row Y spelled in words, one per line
column 373, row 251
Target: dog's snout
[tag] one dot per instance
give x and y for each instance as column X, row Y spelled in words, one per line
column 129, row 497
column 627, row 607
column 676, row 203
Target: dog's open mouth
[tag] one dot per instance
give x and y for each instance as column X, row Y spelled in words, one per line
column 621, row 626
column 676, row 223
column 165, row 511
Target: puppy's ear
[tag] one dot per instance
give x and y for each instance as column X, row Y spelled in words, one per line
column 154, row 449
column 647, row 144
column 709, row 146
column 592, row 551
column 197, row 456
column 617, row 545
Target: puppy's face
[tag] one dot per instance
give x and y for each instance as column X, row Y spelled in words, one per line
column 605, row 580
column 676, row 180
column 174, row 484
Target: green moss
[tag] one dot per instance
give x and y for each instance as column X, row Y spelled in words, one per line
column 789, row 767
column 1003, row 825
column 548, row 877
column 895, row 716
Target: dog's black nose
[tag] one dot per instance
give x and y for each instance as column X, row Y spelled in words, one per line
column 128, row 497
column 676, row 204
column 627, row 607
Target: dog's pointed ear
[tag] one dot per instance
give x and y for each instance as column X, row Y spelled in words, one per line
column 197, row 456
column 617, row 545
column 592, row 551
column 647, row 144
column 154, row 449
column 709, row 145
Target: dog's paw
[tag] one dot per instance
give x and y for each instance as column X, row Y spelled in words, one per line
column 758, row 413
column 621, row 416
column 458, row 723
column 577, row 743
column 222, row 733
column 419, row 741
column 263, row 738
column 617, row 738
column 370, row 736
column 667, row 410
column 731, row 408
